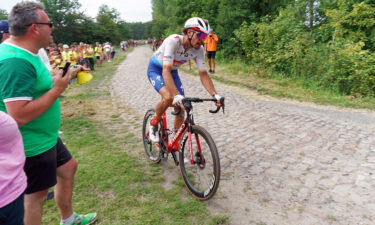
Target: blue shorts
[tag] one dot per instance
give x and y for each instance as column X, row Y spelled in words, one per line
column 154, row 73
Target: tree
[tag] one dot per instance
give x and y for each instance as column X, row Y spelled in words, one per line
column 67, row 19
column 3, row 14
column 112, row 14
column 160, row 21
column 124, row 29
column 107, row 28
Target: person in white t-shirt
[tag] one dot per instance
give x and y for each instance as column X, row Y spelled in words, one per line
column 107, row 51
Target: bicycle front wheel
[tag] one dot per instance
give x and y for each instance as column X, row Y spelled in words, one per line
column 201, row 176
column 152, row 151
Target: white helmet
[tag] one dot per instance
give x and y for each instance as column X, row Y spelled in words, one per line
column 197, row 24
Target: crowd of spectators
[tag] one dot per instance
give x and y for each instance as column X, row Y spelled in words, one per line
column 84, row 54
column 155, row 43
column 80, row 54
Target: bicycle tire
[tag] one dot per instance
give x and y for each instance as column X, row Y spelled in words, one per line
column 192, row 173
column 152, row 151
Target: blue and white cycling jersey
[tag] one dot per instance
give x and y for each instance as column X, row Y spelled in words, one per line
column 173, row 53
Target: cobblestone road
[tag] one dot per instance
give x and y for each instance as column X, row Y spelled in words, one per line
column 282, row 163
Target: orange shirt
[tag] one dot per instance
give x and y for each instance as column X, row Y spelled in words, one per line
column 211, row 42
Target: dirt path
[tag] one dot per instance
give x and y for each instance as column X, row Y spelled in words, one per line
column 282, row 162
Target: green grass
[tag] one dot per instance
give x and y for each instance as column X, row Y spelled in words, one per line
column 113, row 177
column 239, row 74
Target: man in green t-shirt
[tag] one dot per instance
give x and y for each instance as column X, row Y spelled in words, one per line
column 28, row 94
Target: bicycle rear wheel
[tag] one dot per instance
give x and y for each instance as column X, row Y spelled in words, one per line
column 152, row 151
column 201, row 177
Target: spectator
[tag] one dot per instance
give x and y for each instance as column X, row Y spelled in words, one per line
column 210, row 46
column 4, row 30
column 155, row 45
column 81, row 51
column 29, row 95
column 113, row 51
column 65, row 55
column 123, row 47
column 89, row 51
column 73, row 55
column 98, row 54
column 13, row 178
column 107, row 51
column 55, row 59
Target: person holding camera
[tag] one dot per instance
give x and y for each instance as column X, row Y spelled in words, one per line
column 210, row 43
column 31, row 97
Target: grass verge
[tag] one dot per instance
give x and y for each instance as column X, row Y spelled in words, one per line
column 113, row 177
column 239, row 74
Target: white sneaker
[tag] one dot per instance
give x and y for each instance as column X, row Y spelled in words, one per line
column 153, row 133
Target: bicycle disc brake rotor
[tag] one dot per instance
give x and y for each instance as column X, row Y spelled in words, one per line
column 200, row 161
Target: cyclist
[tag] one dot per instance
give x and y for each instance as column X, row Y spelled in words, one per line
column 163, row 74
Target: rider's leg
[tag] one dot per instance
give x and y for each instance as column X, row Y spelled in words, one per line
column 179, row 119
column 167, row 96
column 166, row 101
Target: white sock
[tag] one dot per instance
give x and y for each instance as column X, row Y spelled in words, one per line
column 68, row 220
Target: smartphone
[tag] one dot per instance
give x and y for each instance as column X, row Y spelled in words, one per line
column 65, row 68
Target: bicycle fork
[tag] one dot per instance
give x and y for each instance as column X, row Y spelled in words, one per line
column 196, row 158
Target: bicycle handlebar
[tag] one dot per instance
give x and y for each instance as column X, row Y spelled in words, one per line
column 222, row 99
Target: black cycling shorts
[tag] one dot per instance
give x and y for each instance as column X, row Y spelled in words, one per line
column 41, row 170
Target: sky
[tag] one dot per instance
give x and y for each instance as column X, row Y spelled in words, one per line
column 130, row 10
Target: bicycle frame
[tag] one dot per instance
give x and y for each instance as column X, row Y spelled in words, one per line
column 178, row 136
column 206, row 171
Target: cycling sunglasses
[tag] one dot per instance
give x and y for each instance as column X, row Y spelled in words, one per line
column 201, row 35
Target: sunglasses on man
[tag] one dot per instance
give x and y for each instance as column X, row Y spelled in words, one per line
column 50, row 24
column 201, row 35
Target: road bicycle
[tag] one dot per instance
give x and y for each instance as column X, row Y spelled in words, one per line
column 198, row 156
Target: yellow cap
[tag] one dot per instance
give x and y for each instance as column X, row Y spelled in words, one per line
column 83, row 77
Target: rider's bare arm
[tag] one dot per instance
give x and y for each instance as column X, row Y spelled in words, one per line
column 207, row 82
